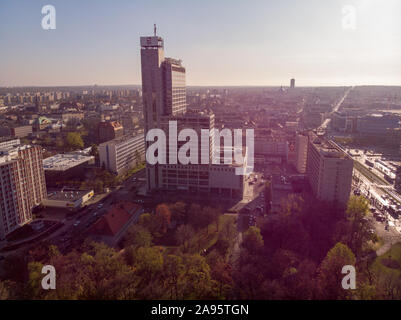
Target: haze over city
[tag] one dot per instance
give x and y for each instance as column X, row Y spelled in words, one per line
column 200, row 152
column 224, row 43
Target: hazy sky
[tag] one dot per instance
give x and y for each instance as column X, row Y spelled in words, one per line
column 221, row 42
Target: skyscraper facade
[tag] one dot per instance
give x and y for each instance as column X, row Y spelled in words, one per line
column 164, row 101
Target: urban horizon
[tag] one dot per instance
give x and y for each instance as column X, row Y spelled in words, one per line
column 200, row 198
column 340, row 48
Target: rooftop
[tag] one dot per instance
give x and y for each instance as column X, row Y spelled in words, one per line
column 115, row 219
column 67, row 195
column 123, row 138
column 326, row 148
column 62, row 162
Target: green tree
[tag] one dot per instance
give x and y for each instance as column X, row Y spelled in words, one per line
column 74, row 140
column 330, row 276
column 359, row 227
column 183, row 235
column 253, row 241
column 173, row 269
column 137, row 236
column 95, row 152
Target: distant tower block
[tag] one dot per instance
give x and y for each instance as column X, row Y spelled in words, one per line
column 292, row 83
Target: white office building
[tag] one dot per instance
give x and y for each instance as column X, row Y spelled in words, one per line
column 329, row 170
column 121, row 154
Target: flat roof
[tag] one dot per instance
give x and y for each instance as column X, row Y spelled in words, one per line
column 62, row 162
column 67, row 195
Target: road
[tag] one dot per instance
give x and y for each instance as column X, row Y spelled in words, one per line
column 69, row 235
column 337, row 106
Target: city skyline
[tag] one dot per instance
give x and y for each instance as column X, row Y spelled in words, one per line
column 272, row 43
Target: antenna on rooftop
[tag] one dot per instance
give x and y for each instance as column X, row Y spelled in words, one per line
column 154, row 29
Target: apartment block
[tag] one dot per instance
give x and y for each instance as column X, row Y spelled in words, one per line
column 22, row 186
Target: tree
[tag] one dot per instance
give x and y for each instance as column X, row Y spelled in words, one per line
column 98, row 186
column 330, row 276
column 208, row 216
column 268, row 196
column 47, row 140
column 359, row 227
column 253, row 241
column 173, row 269
column 4, row 293
column 198, row 283
column 183, row 234
column 163, row 214
column 195, row 216
column 221, row 272
column 74, row 140
column 178, row 212
column 95, row 152
column 137, row 236
column 148, row 264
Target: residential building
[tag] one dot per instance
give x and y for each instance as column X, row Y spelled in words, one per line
column 109, row 130
column 22, row 186
column 301, row 150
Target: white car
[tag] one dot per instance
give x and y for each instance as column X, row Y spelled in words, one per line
column 77, row 223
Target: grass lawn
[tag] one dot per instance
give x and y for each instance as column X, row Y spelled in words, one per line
column 390, row 262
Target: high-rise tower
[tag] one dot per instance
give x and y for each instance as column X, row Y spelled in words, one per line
column 164, row 102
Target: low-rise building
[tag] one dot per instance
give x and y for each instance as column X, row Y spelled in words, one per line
column 6, row 142
column 67, row 199
column 62, row 167
column 112, row 226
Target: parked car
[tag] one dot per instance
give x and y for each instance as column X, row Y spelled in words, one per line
column 77, row 223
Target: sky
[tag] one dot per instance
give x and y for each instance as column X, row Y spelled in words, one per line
column 221, row 42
